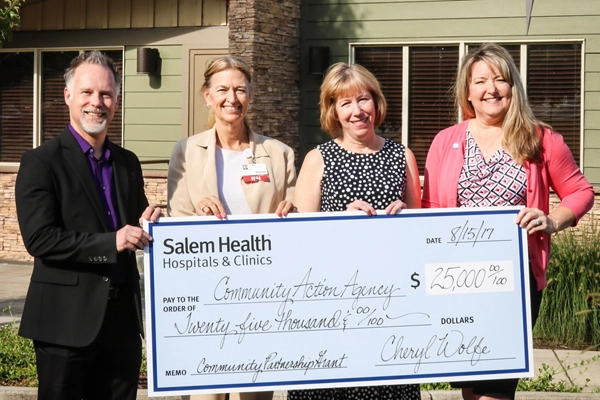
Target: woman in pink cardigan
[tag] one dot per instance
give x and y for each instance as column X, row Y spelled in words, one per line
column 501, row 155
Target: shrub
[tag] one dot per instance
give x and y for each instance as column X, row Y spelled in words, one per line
column 573, row 278
column 17, row 357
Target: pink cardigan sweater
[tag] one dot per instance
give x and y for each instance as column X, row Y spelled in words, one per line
column 557, row 170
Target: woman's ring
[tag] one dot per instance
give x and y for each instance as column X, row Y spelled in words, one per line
column 538, row 221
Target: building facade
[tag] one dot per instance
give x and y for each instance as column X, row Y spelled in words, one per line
column 157, row 108
column 412, row 46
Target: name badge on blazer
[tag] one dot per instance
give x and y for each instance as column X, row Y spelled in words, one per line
column 255, row 173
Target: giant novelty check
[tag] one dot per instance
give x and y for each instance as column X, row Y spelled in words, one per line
column 336, row 299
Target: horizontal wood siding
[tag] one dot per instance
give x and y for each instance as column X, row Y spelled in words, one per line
column 592, row 145
column 336, row 24
column 145, row 99
column 49, row 15
column 143, row 131
column 153, row 106
column 141, row 82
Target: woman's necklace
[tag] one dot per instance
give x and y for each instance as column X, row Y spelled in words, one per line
column 484, row 149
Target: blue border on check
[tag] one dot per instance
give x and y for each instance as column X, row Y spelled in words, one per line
column 296, row 384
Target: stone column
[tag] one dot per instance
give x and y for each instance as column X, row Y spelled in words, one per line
column 266, row 34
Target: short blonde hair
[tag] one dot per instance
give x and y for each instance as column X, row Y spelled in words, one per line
column 519, row 136
column 342, row 79
column 222, row 64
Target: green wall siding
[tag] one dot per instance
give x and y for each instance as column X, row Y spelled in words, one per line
column 153, row 114
column 336, row 25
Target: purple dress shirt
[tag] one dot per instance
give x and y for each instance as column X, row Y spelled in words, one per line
column 102, row 171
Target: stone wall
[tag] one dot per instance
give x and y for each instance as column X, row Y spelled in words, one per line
column 11, row 243
column 155, row 185
column 266, row 34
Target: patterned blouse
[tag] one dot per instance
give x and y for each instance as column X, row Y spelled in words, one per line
column 498, row 182
column 378, row 178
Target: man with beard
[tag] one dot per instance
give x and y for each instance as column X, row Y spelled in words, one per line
column 80, row 200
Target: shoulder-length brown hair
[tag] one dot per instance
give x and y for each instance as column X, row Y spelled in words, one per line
column 342, row 79
column 520, row 127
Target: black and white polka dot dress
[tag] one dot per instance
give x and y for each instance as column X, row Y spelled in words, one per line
column 379, row 179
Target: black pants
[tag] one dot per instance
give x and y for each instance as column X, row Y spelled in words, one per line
column 106, row 369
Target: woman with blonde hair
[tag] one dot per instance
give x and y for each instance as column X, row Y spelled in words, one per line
column 352, row 105
column 501, row 155
column 229, row 169
column 357, row 170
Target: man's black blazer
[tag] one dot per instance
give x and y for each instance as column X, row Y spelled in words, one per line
column 63, row 226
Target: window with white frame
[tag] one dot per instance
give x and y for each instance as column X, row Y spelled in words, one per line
column 417, row 83
column 34, row 111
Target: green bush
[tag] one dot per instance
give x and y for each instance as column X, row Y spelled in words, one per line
column 17, row 357
column 568, row 314
column 545, row 380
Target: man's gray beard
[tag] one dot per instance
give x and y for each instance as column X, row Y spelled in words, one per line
column 93, row 128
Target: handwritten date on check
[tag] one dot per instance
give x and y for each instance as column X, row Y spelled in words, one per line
column 336, row 299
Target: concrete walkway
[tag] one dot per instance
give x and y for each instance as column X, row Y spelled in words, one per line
column 567, row 365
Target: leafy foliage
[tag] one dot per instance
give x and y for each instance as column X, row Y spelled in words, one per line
column 17, row 357
column 546, row 382
column 569, row 311
column 9, row 18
